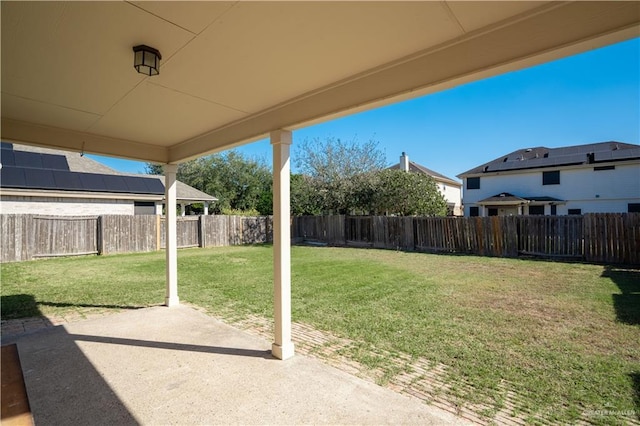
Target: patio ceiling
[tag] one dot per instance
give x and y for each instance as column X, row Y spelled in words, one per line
column 234, row 71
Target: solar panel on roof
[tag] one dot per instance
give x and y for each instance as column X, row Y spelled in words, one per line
column 67, row 180
column 154, row 186
column 41, row 179
column 7, row 158
column 115, row 183
column 92, row 182
column 136, row 184
column 621, row 154
column 31, row 160
column 55, row 162
column 12, row 177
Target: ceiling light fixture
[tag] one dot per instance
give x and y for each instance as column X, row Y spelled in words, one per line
column 146, row 60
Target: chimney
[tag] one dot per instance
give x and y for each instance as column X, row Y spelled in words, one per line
column 404, row 162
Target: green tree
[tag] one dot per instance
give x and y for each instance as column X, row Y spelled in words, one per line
column 265, row 203
column 334, row 169
column 406, row 194
column 334, row 159
column 239, row 183
column 304, row 196
column 154, row 169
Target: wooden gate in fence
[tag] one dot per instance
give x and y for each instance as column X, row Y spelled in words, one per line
column 65, row 236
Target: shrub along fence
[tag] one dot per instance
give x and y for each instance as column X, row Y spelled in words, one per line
column 599, row 238
column 26, row 237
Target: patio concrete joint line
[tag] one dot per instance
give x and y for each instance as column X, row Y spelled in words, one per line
column 171, row 235
column 283, row 346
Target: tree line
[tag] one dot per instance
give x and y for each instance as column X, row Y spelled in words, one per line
column 335, row 177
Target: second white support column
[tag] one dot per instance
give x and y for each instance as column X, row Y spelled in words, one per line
column 171, row 240
column 283, row 347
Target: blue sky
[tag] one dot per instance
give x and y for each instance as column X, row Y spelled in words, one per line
column 591, row 97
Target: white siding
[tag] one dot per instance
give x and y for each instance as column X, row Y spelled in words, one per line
column 64, row 206
column 452, row 194
column 605, row 191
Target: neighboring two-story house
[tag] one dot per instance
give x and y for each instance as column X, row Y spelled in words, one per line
column 449, row 188
column 595, row 178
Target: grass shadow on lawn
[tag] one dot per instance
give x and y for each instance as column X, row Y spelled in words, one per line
column 627, row 304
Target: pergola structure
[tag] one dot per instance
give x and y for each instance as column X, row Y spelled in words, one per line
column 234, row 72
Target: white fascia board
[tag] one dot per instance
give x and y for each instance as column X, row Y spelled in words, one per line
column 71, row 140
column 78, row 194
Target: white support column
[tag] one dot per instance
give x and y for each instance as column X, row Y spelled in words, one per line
column 171, row 298
column 206, row 208
column 183, row 209
column 282, row 348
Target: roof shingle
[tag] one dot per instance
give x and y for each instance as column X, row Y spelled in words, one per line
column 540, row 157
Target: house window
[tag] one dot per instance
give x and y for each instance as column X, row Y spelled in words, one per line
column 493, row 212
column 633, row 207
column 551, row 178
column 575, row 211
column 473, row 183
column 554, row 210
column 474, row 211
column 599, row 168
column 536, row 210
column 144, row 207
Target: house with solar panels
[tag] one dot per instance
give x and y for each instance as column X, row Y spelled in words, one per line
column 594, row 178
column 450, row 189
column 44, row 181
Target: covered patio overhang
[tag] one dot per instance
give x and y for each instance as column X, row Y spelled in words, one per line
column 504, row 199
column 235, row 72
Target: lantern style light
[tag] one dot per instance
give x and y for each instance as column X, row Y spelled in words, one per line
column 146, row 60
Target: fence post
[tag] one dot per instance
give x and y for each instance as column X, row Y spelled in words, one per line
column 100, row 235
column 158, row 232
column 201, row 237
column 346, row 229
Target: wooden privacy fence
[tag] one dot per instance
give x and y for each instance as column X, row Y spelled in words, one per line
column 25, row 237
column 599, row 238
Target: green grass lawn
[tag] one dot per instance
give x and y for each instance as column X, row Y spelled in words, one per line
column 565, row 338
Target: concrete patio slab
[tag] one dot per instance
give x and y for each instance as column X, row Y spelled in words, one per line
column 179, row 366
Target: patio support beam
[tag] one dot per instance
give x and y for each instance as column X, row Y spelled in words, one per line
column 282, row 348
column 171, row 249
